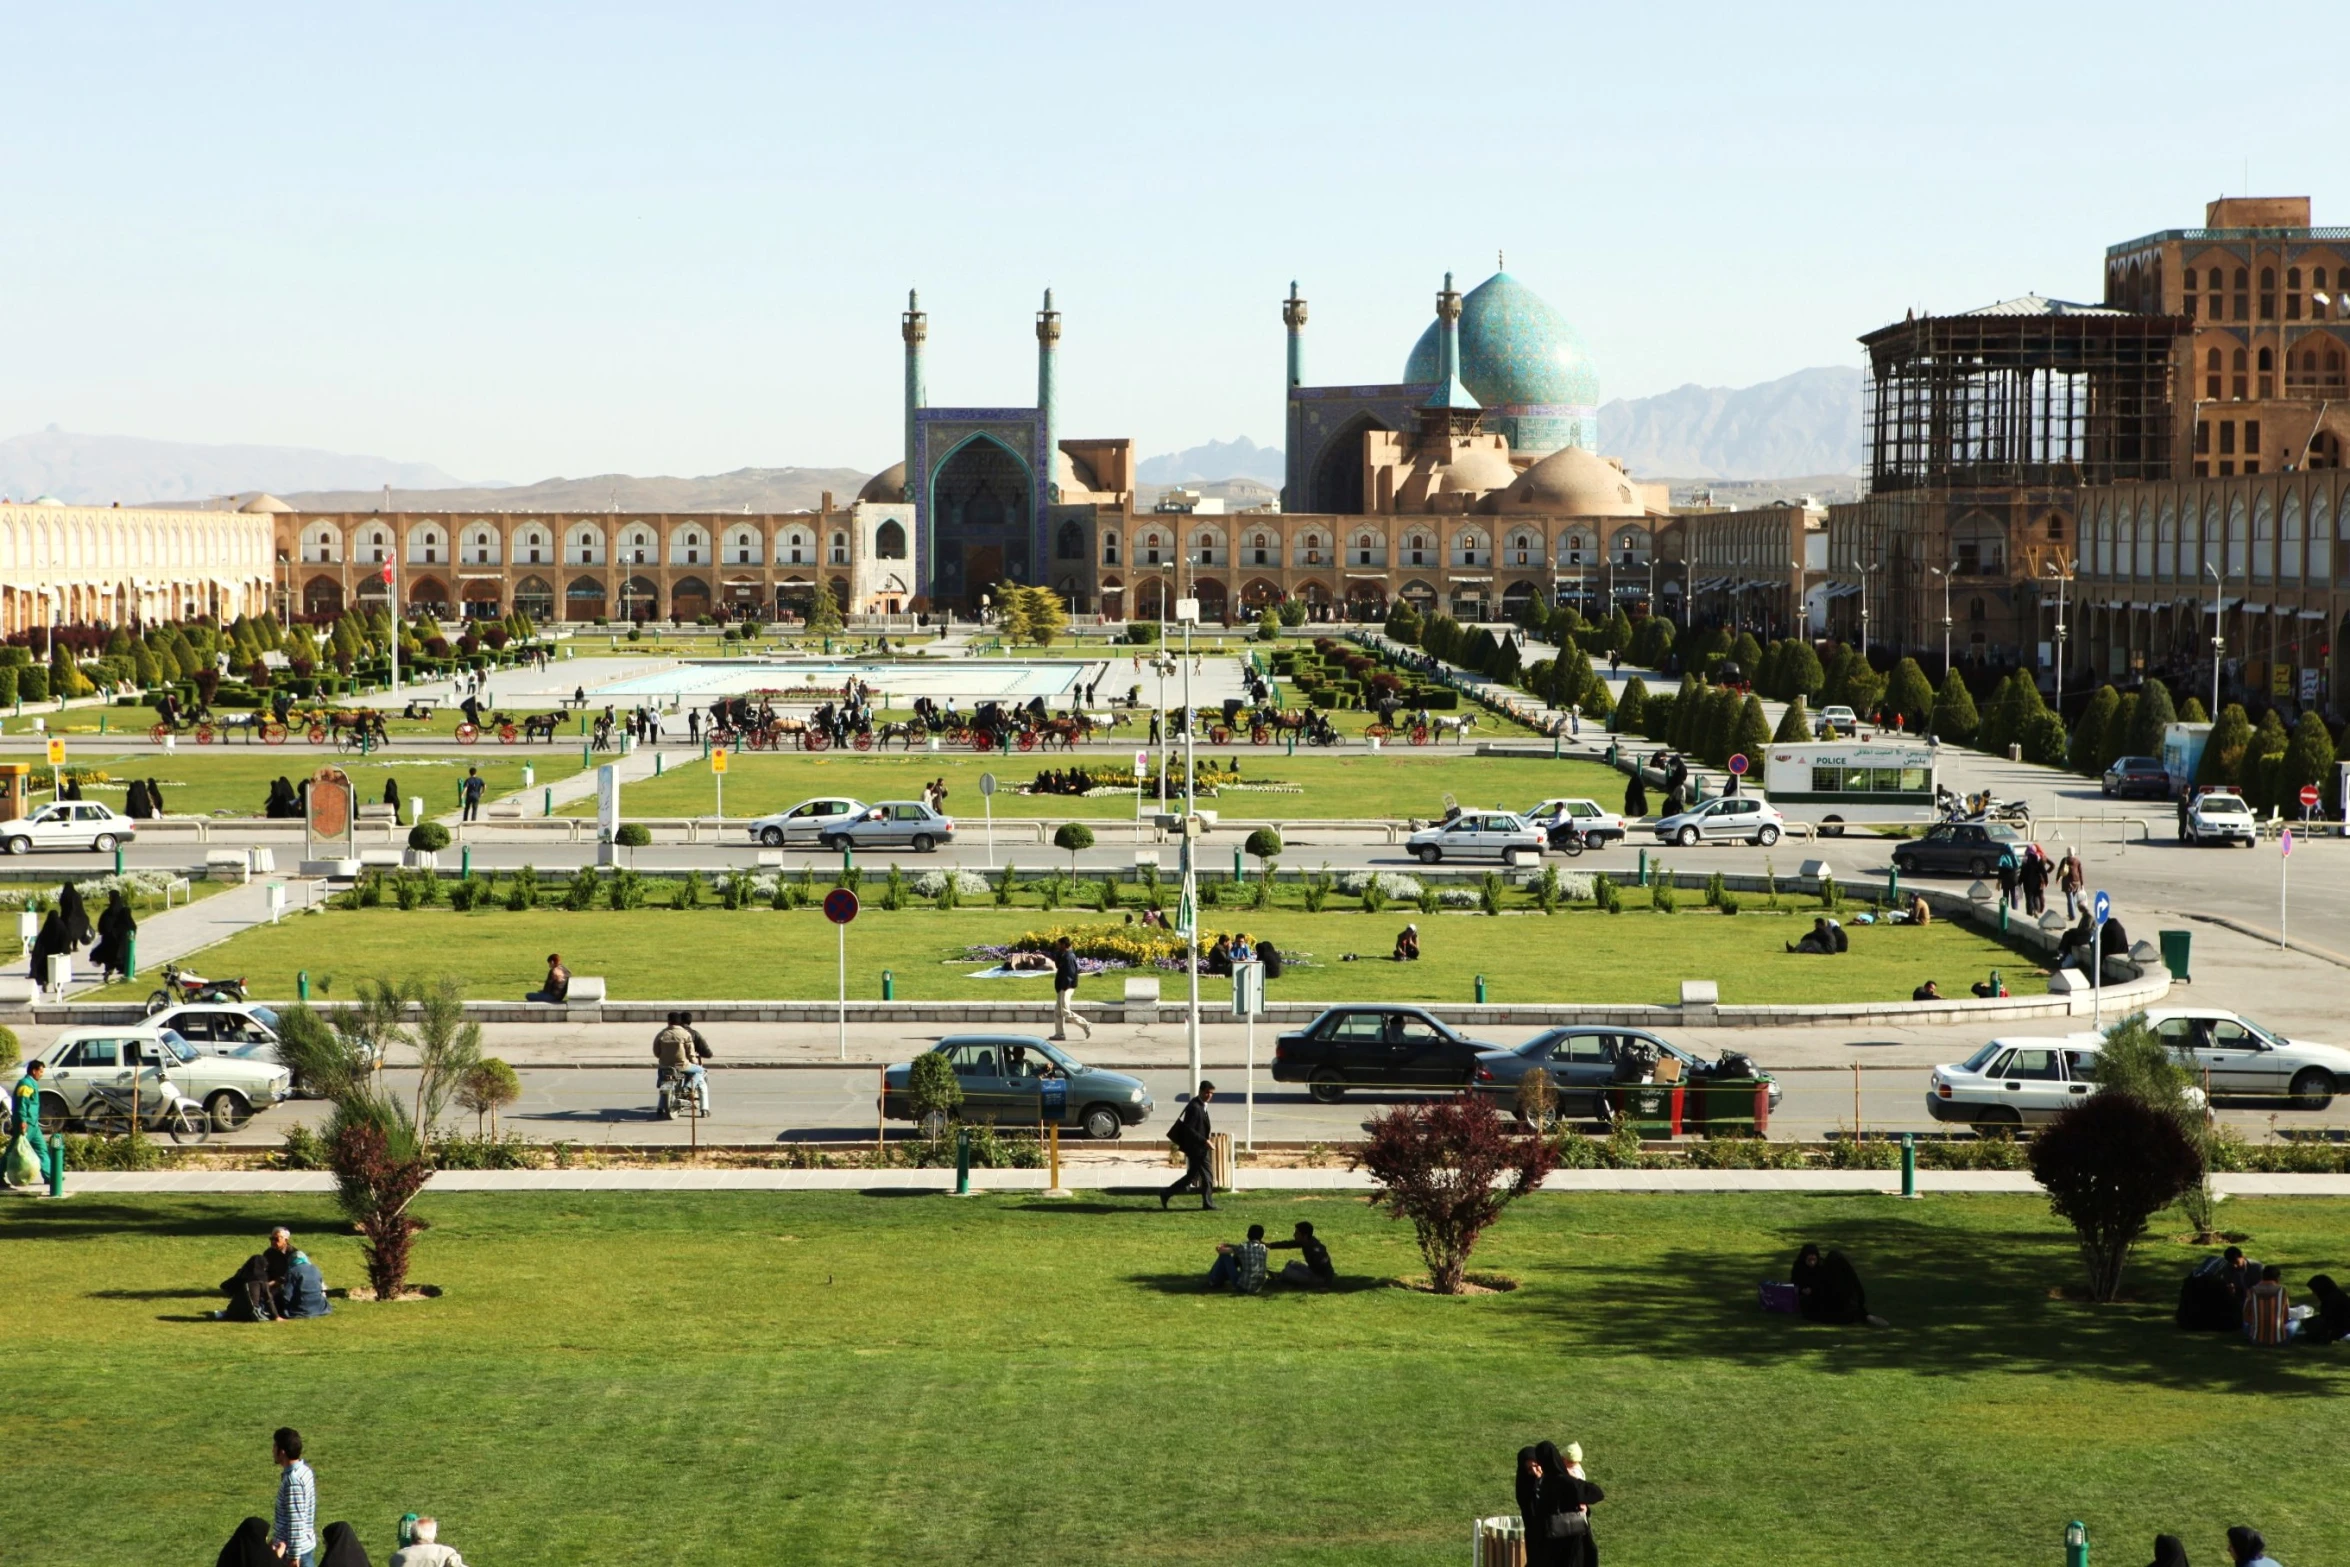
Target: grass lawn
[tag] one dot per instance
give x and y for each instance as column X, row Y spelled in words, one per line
column 1355, row 784
column 236, row 780
column 1579, row 954
column 807, row 1378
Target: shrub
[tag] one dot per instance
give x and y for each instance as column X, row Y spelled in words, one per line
column 486, row 1087
column 378, row 1173
column 1374, row 894
column 1452, row 1168
column 579, row 893
column 1546, row 890
column 1316, row 889
column 1263, row 846
column 428, row 837
column 2109, row 1164
column 947, row 895
column 1489, row 891
column 1727, row 903
column 1075, row 837
column 690, row 891
column 625, row 889
column 1831, row 895
column 1714, row 890
column 633, row 835
column 463, row 895
column 1007, row 886
column 523, row 891
column 932, row 1087
column 1607, row 894
column 1431, row 900
column 893, row 890
column 1663, row 896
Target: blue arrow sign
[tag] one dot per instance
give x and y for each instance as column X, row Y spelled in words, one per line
column 2102, row 907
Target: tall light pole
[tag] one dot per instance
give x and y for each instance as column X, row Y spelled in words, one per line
column 1945, row 573
column 2061, row 579
column 1187, row 611
column 2219, row 599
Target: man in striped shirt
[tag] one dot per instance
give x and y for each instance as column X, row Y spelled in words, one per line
column 2268, row 1310
column 295, row 1530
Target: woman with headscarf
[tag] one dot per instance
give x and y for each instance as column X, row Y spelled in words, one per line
column 116, row 926
column 2169, row 1551
column 73, row 789
column 1635, row 796
column 2247, row 1547
column 134, row 804
column 280, row 803
column 250, row 1547
column 1828, row 1288
column 154, row 797
column 1566, row 1506
column 1530, row 1503
column 75, row 915
column 48, row 943
column 392, row 793
column 2329, row 1322
column 338, row 1546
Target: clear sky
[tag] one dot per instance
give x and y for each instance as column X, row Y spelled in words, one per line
column 519, row 241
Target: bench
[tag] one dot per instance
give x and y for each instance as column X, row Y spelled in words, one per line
column 771, row 859
column 382, row 859
column 378, row 812
column 1700, row 993
column 228, row 865
column 586, row 996
column 1142, row 1001
column 510, row 808
column 570, row 702
column 18, row 990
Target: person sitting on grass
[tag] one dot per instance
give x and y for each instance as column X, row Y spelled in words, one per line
column 2330, row 1322
column 426, row 1549
column 2268, row 1310
column 558, row 983
column 1828, row 1288
column 1929, row 991
column 1241, row 1268
column 1407, row 945
column 1821, row 941
column 1315, row 1270
column 1218, row 958
column 1917, row 910
column 304, row 1292
column 2247, row 1549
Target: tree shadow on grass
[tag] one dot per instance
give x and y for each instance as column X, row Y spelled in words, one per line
column 154, row 1295
column 1197, row 1284
column 245, row 1216
column 1962, row 1301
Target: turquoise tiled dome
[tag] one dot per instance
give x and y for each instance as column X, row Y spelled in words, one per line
column 1519, row 356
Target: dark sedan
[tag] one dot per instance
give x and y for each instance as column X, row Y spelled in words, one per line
column 2139, row 777
column 1581, row 1060
column 1376, row 1047
column 1960, row 849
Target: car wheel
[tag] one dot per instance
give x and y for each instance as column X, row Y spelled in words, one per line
column 1979, row 869
column 1906, row 864
column 1767, row 837
column 20, row 845
column 1686, row 837
column 2313, row 1088
column 1430, row 854
column 923, row 843
column 228, row 1110
column 772, row 837
column 1998, row 1115
column 1103, row 1123
column 1510, row 860
column 1831, row 826
column 103, row 843
column 831, row 844
column 1327, row 1086
column 53, row 1111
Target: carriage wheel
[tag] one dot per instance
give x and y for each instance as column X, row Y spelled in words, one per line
column 315, row 734
column 506, row 734
column 1260, row 735
column 468, row 733
column 273, row 734
column 1419, row 734
column 158, row 732
column 864, row 742
column 981, row 742
column 813, row 741
column 1027, row 740
column 1219, row 735
column 1377, row 731
column 203, row 734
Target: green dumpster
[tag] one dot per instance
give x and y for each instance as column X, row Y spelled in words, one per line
column 2175, row 946
column 1722, row 1107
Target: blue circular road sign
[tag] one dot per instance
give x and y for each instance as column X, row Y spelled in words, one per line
column 840, row 905
column 2102, row 907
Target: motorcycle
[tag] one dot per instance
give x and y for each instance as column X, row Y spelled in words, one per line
column 1567, row 837
column 113, row 1107
column 681, row 1093
column 185, row 987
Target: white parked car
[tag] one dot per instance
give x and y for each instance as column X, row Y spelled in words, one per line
column 230, row 1090
column 2242, row 1060
column 2221, row 817
column 69, row 824
column 1739, row 816
column 1478, row 835
column 2018, row 1082
column 1840, row 718
column 806, row 824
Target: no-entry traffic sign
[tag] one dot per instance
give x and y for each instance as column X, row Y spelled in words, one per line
column 840, row 905
column 2309, row 797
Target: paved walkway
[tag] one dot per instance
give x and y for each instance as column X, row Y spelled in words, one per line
column 1110, row 1174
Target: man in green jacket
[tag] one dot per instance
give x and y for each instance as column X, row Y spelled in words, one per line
column 48, row 1157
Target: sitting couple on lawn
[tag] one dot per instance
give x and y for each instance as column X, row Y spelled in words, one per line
column 1245, row 1268
column 274, row 1284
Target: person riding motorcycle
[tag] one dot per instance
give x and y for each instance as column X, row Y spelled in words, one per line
column 677, row 1068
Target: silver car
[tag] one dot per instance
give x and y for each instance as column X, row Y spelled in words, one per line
column 1737, row 816
column 805, row 824
column 2243, row 1060
column 1479, row 835
column 892, row 824
column 229, row 1089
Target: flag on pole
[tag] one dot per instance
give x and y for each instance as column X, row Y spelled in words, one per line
column 387, row 572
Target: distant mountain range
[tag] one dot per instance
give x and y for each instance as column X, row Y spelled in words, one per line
column 745, row 489
column 1807, row 423
column 1236, row 459
column 97, row 470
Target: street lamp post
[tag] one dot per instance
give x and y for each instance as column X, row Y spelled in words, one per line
column 1188, row 612
column 2061, row 579
column 2219, row 599
column 1945, row 573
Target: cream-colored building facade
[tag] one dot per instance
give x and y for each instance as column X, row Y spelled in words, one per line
column 83, row 565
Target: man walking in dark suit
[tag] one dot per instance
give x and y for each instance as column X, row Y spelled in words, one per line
column 1190, row 1134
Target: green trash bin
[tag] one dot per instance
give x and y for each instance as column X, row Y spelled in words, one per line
column 2176, row 944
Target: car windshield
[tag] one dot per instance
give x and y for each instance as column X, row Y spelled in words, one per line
column 179, row 1048
column 2268, row 1036
column 1981, row 1058
column 1059, row 1058
column 2223, row 805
